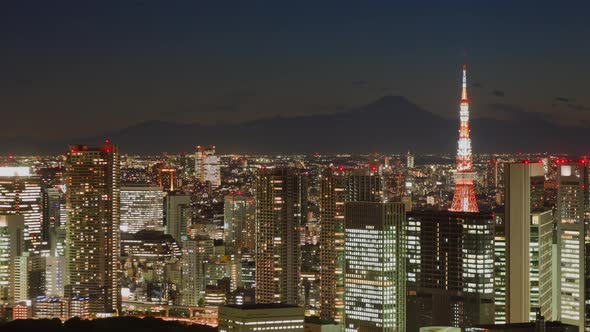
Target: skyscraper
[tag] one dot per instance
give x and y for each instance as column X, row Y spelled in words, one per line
column 142, row 207
column 524, row 217
column 338, row 186
column 178, row 215
column 409, row 160
column 92, row 179
column 464, row 196
column 281, row 206
column 375, row 271
column 194, row 254
column 572, row 205
column 455, row 278
column 20, row 194
column 207, row 167
column 239, row 223
column 12, row 248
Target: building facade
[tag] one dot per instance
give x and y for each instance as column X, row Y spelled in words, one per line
column 338, row 186
column 142, row 207
column 260, row 317
column 281, row 211
column 375, row 298
column 93, row 218
column 207, row 168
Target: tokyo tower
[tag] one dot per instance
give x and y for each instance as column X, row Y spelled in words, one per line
column 464, row 196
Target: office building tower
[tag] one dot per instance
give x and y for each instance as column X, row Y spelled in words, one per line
column 260, row 317
column 541, row 252
column 194, row 256
column 178, row 215
column 571, row 243
column 478, row 268
column 52, row 200
column 455, row 278
column 464, row 196
column 54, row 275
column 338, row 186
column 36, row 276
column 92, row 227
column 239, row 223
column 523, row 206
column 409, row 160
column 492, row 174
column 281, row 211
column 142, row 207
column 20, row 194
column 375, row 298
column 499, row 269
column 12, row 249
column 207, row 168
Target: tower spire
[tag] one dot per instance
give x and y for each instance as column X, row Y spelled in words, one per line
column 464, row 196
column 464, row 92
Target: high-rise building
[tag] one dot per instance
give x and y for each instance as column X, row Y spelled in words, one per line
column 178, row 215
column 207, row 168
column 455, row 278
column 375, row 298
column 12, row 249
column 499, row 269
column 194, row 254
column 92, row 253
column 239, row 223
column 464, row 196
column 524, row 218
column 492, row 174
column 281, row 211
column 338, row 186
column 142, row 207
column 572, row 205
column 409, row 160
column 20, row 194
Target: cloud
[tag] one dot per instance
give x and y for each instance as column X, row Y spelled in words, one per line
column 476, row 85
column 562, row 99
column 360, row 83
column 498, row 93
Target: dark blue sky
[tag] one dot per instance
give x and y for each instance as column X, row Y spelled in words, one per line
column 114, row 64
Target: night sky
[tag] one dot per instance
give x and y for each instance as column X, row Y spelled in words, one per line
column 105, row 65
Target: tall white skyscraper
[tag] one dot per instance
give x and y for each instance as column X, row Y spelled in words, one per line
column 528, row 227
column 571, row 242
column 207, row 168
column 375, row 298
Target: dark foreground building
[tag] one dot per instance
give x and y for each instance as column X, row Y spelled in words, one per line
column 451, row 268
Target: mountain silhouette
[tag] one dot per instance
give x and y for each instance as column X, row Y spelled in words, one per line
column 389, row 124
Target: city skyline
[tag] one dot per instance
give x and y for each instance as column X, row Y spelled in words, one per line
column 297, row 167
